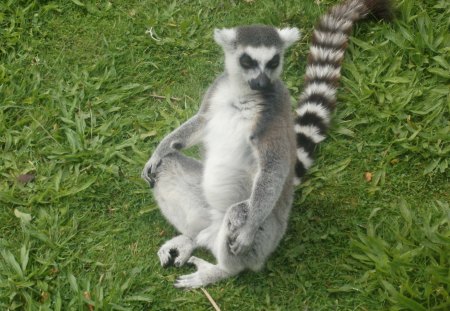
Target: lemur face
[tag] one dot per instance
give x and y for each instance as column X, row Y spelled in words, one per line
column 254, row 54
column 260, row 66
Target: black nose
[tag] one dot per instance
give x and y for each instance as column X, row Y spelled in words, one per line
column 261, row 82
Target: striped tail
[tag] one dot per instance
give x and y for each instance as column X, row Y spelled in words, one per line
column 326, row 53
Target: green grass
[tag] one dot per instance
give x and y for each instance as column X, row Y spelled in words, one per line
column 78, row 112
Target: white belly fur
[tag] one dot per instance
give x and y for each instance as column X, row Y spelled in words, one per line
column 230, row 164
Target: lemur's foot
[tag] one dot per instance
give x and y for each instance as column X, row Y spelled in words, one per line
column 206, row 273
column 176, row 251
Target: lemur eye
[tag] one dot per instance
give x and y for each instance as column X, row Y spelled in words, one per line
column 274, row 62
column 247, row 62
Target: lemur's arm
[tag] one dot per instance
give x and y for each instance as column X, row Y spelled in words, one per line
column 274, row 161
column 185, row 136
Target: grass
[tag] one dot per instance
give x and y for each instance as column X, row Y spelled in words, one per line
column 78, row 120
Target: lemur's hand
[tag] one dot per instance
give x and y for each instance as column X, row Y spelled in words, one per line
column 240, row 233
column 149, row 171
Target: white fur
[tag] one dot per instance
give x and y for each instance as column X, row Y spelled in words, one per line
column 319, row 88
column 262, row 54
column 350, row 10
column 225, row 37
column 304, row 157
column 229, row 163
column 297, row 181
column 289, row 36
column 229, row 166
column 311, row 131
column 326, row 54
column 319, row 71
column 315, row 108
column 335, row 38
column 340, row 24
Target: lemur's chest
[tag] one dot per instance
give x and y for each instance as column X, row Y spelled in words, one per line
column 230, row 162
column 230, row 124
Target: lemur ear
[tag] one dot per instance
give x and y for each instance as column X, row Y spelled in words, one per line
column 225, row 37
column 289, row 35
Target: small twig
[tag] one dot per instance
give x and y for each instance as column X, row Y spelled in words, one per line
column 164, row 97
column 87, row 295
column 152, row 34
column 211, row 300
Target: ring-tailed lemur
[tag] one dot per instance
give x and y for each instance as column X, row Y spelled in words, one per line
column 236, row 202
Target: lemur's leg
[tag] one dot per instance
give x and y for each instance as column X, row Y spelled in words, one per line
column 265, row 242
column 178, row 193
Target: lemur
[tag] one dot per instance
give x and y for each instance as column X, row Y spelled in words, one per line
column 236, row 201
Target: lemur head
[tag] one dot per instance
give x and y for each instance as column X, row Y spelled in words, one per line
column 254, row 54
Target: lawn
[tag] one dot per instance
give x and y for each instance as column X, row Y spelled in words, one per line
column 89, row 88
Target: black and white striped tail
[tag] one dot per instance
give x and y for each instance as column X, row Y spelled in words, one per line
column 326, row 53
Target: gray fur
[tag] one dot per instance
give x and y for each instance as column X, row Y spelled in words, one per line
column 258, row 35
column 236, row 201
column 244, row 227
